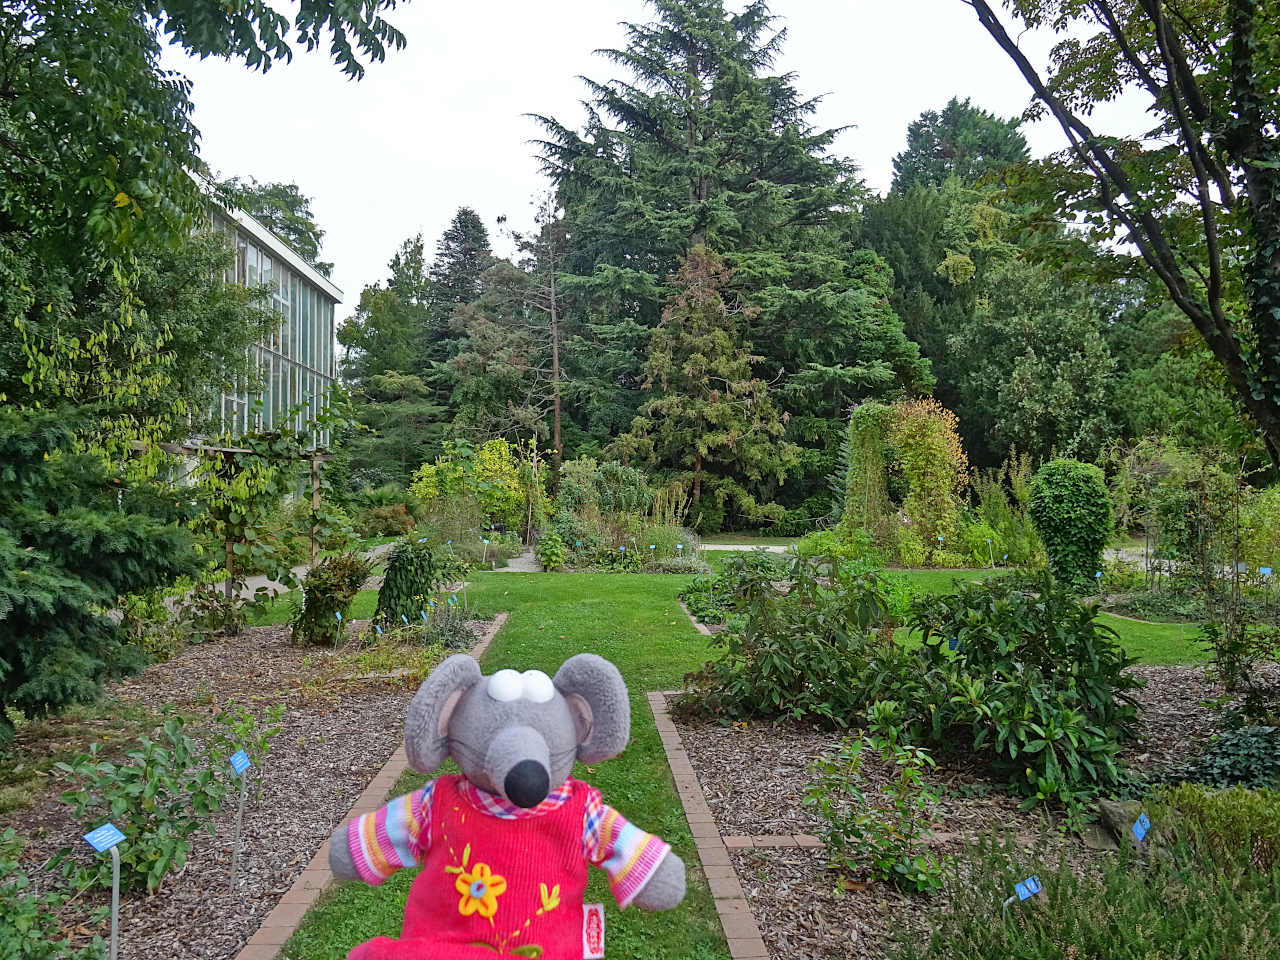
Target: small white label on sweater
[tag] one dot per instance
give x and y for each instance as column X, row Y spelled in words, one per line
column 592, row 931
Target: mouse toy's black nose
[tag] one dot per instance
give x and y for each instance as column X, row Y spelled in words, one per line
column 527, row 784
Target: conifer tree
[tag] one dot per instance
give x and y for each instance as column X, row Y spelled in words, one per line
column 708, row 419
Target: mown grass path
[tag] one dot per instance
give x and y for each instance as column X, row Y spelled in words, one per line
column 635, row 622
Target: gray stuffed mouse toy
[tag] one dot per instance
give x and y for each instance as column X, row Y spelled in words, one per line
column 504, row 848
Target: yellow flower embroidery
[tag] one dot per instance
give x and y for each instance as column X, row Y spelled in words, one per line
column 480, row 890
column 550, row 899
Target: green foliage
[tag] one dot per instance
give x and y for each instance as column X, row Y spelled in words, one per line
column 928, row 452
column 414, row 570
column 707, row 414
column 1248, row 757
column 807, row 653
column 551, row 552
column 962, row 141
column 1034, row 677
column 863, row 836
column 239, row 728
column 159, row 799
column 284, row 210
column 73, row 539
column 844, row 541
column 1224, row 825
column 1072, row 513
column 1003, row 497
column 390, row 521
column 1180, row 906
column 31, row 927
column 490, row 474
column 711, row 597
column 327, row 592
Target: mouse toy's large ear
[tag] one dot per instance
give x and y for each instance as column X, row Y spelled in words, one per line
column 426, row 732
column 598, row 700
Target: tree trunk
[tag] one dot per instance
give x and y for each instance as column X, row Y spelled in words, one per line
column 555, row 365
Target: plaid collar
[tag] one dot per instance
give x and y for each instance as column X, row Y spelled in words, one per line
column 498, row 806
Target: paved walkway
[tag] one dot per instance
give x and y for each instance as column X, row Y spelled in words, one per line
column 524, row 563
column 274, row 587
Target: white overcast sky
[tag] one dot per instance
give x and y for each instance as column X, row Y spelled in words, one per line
column 441, row 123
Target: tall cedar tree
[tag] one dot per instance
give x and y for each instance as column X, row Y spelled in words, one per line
column 701, row 143
column 962, row 141
column 708, row 418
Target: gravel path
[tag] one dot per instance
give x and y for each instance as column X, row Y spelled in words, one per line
column 746, row 547
column 524, row 563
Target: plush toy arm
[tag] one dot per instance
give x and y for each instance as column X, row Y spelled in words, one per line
column 341, row 863
column 665, row 887
column 374, row 846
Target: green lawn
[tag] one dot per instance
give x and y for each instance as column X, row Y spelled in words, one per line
column 1157, row 643
column 751, row 539
column 635, row 622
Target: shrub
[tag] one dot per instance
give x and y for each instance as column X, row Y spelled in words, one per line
column 1181, row 906
column 327, row 593
column 862, row 835
column 393, row 520
column 1034, row 677
column 551, row 552
column 73, row 539
column 30, row 925
column 1071, row 511
column 844, row 541
column 1224, row 824
column 975, row 536
column 910, row 549
column 711, row 597
column 414, row 570
column 1248, row 757
column 806, row 653
column 490, row 474
column 159, row 798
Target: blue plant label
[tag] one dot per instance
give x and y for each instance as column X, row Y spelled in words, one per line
column 622, row 549
column 1006, row 556
column 338, row 614
column 424, row 614
column 431, row 603
column 953, row 643
column 240, row 762
column 422, row 539
column 939, row 539
column 988, row 539
column 486, row 540
column 652, row 545
column 452, row 601
column 1098, row 574
column 104, row 838
column 1028, row 888
column 1265, row 571
column 453, row 597
column 679, row 546
column 448, row 543
column 1141, row 827
column 1242, row 568
column 405, row 618
column 577, row 543
column 378, row 628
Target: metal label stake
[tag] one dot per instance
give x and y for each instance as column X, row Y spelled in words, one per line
column 1025, row 890
column 239, row 763
column 105, row 838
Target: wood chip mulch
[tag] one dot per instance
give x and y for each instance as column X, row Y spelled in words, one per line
column 754, row 779
column 335, row 736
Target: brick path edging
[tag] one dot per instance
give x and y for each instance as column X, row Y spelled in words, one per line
column 740, row 930
column 287, row 914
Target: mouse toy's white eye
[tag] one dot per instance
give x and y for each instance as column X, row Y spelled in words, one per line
column 506, row 685
column 537, row 686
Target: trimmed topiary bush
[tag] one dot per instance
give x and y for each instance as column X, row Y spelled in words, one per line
column 1072, row 513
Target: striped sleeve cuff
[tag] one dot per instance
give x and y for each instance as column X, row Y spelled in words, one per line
column 628, row 855
column 393, row 837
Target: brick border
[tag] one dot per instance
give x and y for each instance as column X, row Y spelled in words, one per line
column 279, row 925
column 740, row 930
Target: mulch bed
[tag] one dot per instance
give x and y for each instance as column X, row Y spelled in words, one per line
column 754, row 779
column 334, row 737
